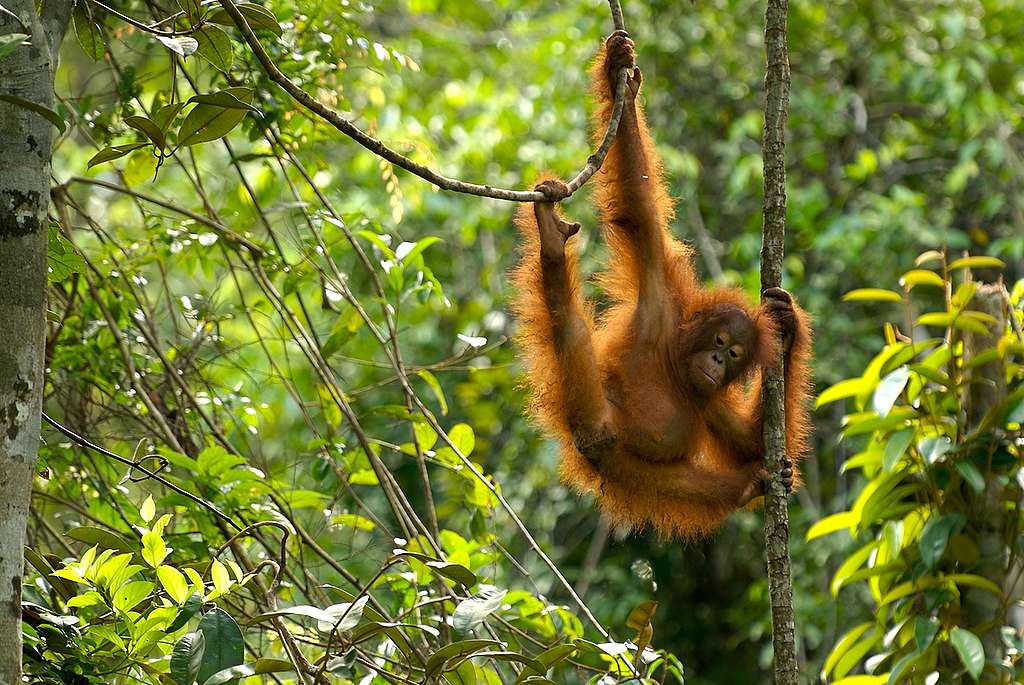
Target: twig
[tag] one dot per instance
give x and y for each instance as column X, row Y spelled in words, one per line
column 223, row 230
column 86, row 443
column 377, row 147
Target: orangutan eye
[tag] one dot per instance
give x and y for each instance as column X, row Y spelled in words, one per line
column 719, row 341
column 736, row 351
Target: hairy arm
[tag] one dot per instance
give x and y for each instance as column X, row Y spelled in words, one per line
column 631, row 194
column 586, row 409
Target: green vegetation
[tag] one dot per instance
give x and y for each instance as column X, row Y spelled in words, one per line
column 293, row 360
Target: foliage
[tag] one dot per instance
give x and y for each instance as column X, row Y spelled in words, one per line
column 235, row 315
column 936, row 521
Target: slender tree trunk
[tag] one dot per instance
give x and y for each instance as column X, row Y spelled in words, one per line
column 25, row 141
column 776, row 512
column 986, row 391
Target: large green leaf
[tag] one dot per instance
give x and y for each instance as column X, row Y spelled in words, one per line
column 208, row 121
column 224, row 646
column 970, row 650
column 187, row 657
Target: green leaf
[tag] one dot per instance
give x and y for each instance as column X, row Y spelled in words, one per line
column 440, row 659
column 260, row 667
column 164, row 116
column 943, row 319
column 924, row 632
column 435, row 387
column 61, row 259
column 148, row 509
column 970, row 650
column 379, row 241
column 190, row 609
column 174, row 583
column 11, row 42
column 406, row 253
column 129, row 596
column 208, row 121
column 889, row 389
column 44, row 112
column 850, row 566
column 972, row 475
column 844, row 520
column 224, row 646
column 299, row 610
column 187, row 657
column 872, row 295
column 215, row 48
column 154, row 549
column 922, row 277
column 352, row 521
column 148, row 128
column 935, row 448
column 473, row 611
column 256, row 16
column 463, row 438
column 191, row 8
column 895, row 448
column 977, row 263
column 972, row 580
column 851, row 387
column 456, row 572
column 935, row 536
column 110, row 153
column 88, row 31
column 342, row 617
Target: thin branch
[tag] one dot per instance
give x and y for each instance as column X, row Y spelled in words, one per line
column 776, row 514
column 377, row 147
column 223, row 230
column 136, row 466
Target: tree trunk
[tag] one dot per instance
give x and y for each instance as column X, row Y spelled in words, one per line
column 25, row 141
column 986, row 612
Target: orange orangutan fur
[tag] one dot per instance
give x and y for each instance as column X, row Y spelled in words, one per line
column 635, row 218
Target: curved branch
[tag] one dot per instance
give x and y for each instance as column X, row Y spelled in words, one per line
column 377, row 147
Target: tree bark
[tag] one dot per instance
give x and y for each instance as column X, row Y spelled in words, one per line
column 25, row 142
column 776, row 513
column 990, row 527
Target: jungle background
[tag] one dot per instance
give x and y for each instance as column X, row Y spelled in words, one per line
column 263, row 309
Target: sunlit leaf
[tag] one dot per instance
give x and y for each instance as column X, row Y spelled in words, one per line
column 977, row 263
column 473, row 611
column 922, row 277
column 851, row 387
column 845, row 520
column 181, row 45
column 970, row 650
column 872, row 295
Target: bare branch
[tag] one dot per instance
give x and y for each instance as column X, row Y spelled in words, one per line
column 377, row 147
